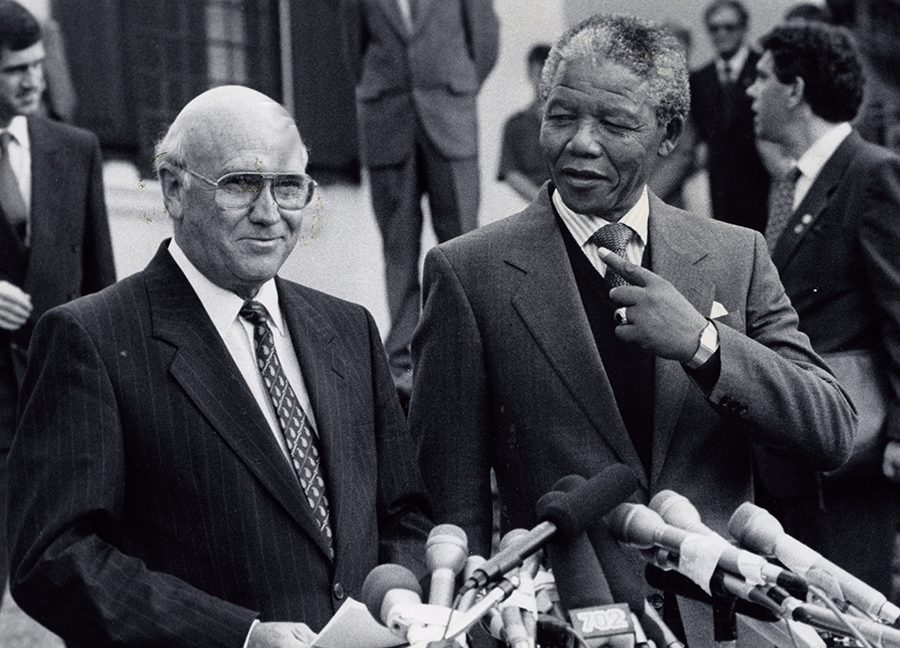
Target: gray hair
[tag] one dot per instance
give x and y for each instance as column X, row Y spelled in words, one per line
column 644, row 47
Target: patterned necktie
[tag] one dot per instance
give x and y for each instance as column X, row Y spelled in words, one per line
column 614, row 237
column 781, row 206
column 10, row 193
column 294, row 423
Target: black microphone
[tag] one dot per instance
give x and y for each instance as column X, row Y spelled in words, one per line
column 581, row 584
column 564, row 516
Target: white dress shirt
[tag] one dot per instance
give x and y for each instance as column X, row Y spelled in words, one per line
column 583, row 226
column 223, row 306
column 811, row 162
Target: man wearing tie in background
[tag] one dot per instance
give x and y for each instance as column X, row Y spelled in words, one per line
column 209, row 455
column 54, row 234
column 535, row 358
column 834, row 237
column 738, row 181
column 418, row 67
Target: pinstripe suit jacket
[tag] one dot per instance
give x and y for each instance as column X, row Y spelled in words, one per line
column 150, row 504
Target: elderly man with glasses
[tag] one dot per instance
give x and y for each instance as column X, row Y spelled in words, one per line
column 210, row 455
column 738, row 181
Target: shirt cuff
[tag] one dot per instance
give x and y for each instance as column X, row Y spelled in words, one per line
column 252, row 625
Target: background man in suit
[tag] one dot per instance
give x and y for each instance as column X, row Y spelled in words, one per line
column 418, row 66
column 835, row 244
column 204, row 445
column 54, row 234
column 519, row 363
column 738, row 181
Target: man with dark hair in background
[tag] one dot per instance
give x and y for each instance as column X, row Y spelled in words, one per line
column 54, row 234
column 834, row 237
column 521, row 165
column 738, row 181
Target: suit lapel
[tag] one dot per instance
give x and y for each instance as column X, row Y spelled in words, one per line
column 206, row 372
column 815, row 201
column 675, row 255
column 324, row 372
column 561, row 328
column 392, row 9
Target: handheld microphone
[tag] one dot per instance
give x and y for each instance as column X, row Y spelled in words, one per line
column 386, row 589
column 759, row 530
column 445, row 555
column 566, row 516
column 582, row 586
column 698, row 555
column 467, row 598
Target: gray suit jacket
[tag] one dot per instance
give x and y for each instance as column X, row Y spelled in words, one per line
column 149, row 502
column 508, row 375
column 427, row 78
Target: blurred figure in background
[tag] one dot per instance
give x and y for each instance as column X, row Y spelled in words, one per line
column 418, row 67
column 720, row 108
column 54, row 234
column 670, row 173
column 522, row 166
column 834, row 237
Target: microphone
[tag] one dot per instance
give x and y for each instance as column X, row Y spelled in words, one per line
column 756, row 528
column 386, row 589
column 521, row 604
column 698, row 555
column 445, row 554
column 565, row 516
column 467, row 598
column 677, row 510
column 582, row 586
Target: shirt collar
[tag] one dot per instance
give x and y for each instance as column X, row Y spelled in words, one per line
column 736, row 62
column 811, row 162
column 18, row 128
column 583, row 226
column 220, row 304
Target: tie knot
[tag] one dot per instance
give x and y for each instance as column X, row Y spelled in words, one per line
column 614, row 236
column 254, row 312
column 793, row 174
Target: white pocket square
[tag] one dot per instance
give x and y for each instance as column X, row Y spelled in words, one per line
column 717, row 310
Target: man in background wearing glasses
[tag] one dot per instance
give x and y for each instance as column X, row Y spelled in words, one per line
column 210, row 455
column 738, row 181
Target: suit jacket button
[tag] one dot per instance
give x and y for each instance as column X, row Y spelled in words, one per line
column 338, row 591
column 656, row 600
column 725, row 401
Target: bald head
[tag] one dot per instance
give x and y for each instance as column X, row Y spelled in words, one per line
column 215, row 124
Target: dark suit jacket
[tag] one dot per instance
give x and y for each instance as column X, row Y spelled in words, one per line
column 425, row 80
column 508, row 374
column 71, row 252
column 150, row 503
column 839, row 262
column 738, row 181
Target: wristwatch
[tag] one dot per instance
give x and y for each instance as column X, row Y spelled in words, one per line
column 709, row 344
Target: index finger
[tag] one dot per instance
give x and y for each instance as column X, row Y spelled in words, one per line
column 631, row 272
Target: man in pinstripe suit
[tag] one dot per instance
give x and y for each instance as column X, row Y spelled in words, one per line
column 154, row 502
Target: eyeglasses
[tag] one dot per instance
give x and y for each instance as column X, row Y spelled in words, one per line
column 728, row 27
column 239, row 189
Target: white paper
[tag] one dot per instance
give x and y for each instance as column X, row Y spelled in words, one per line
column 353, row 627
